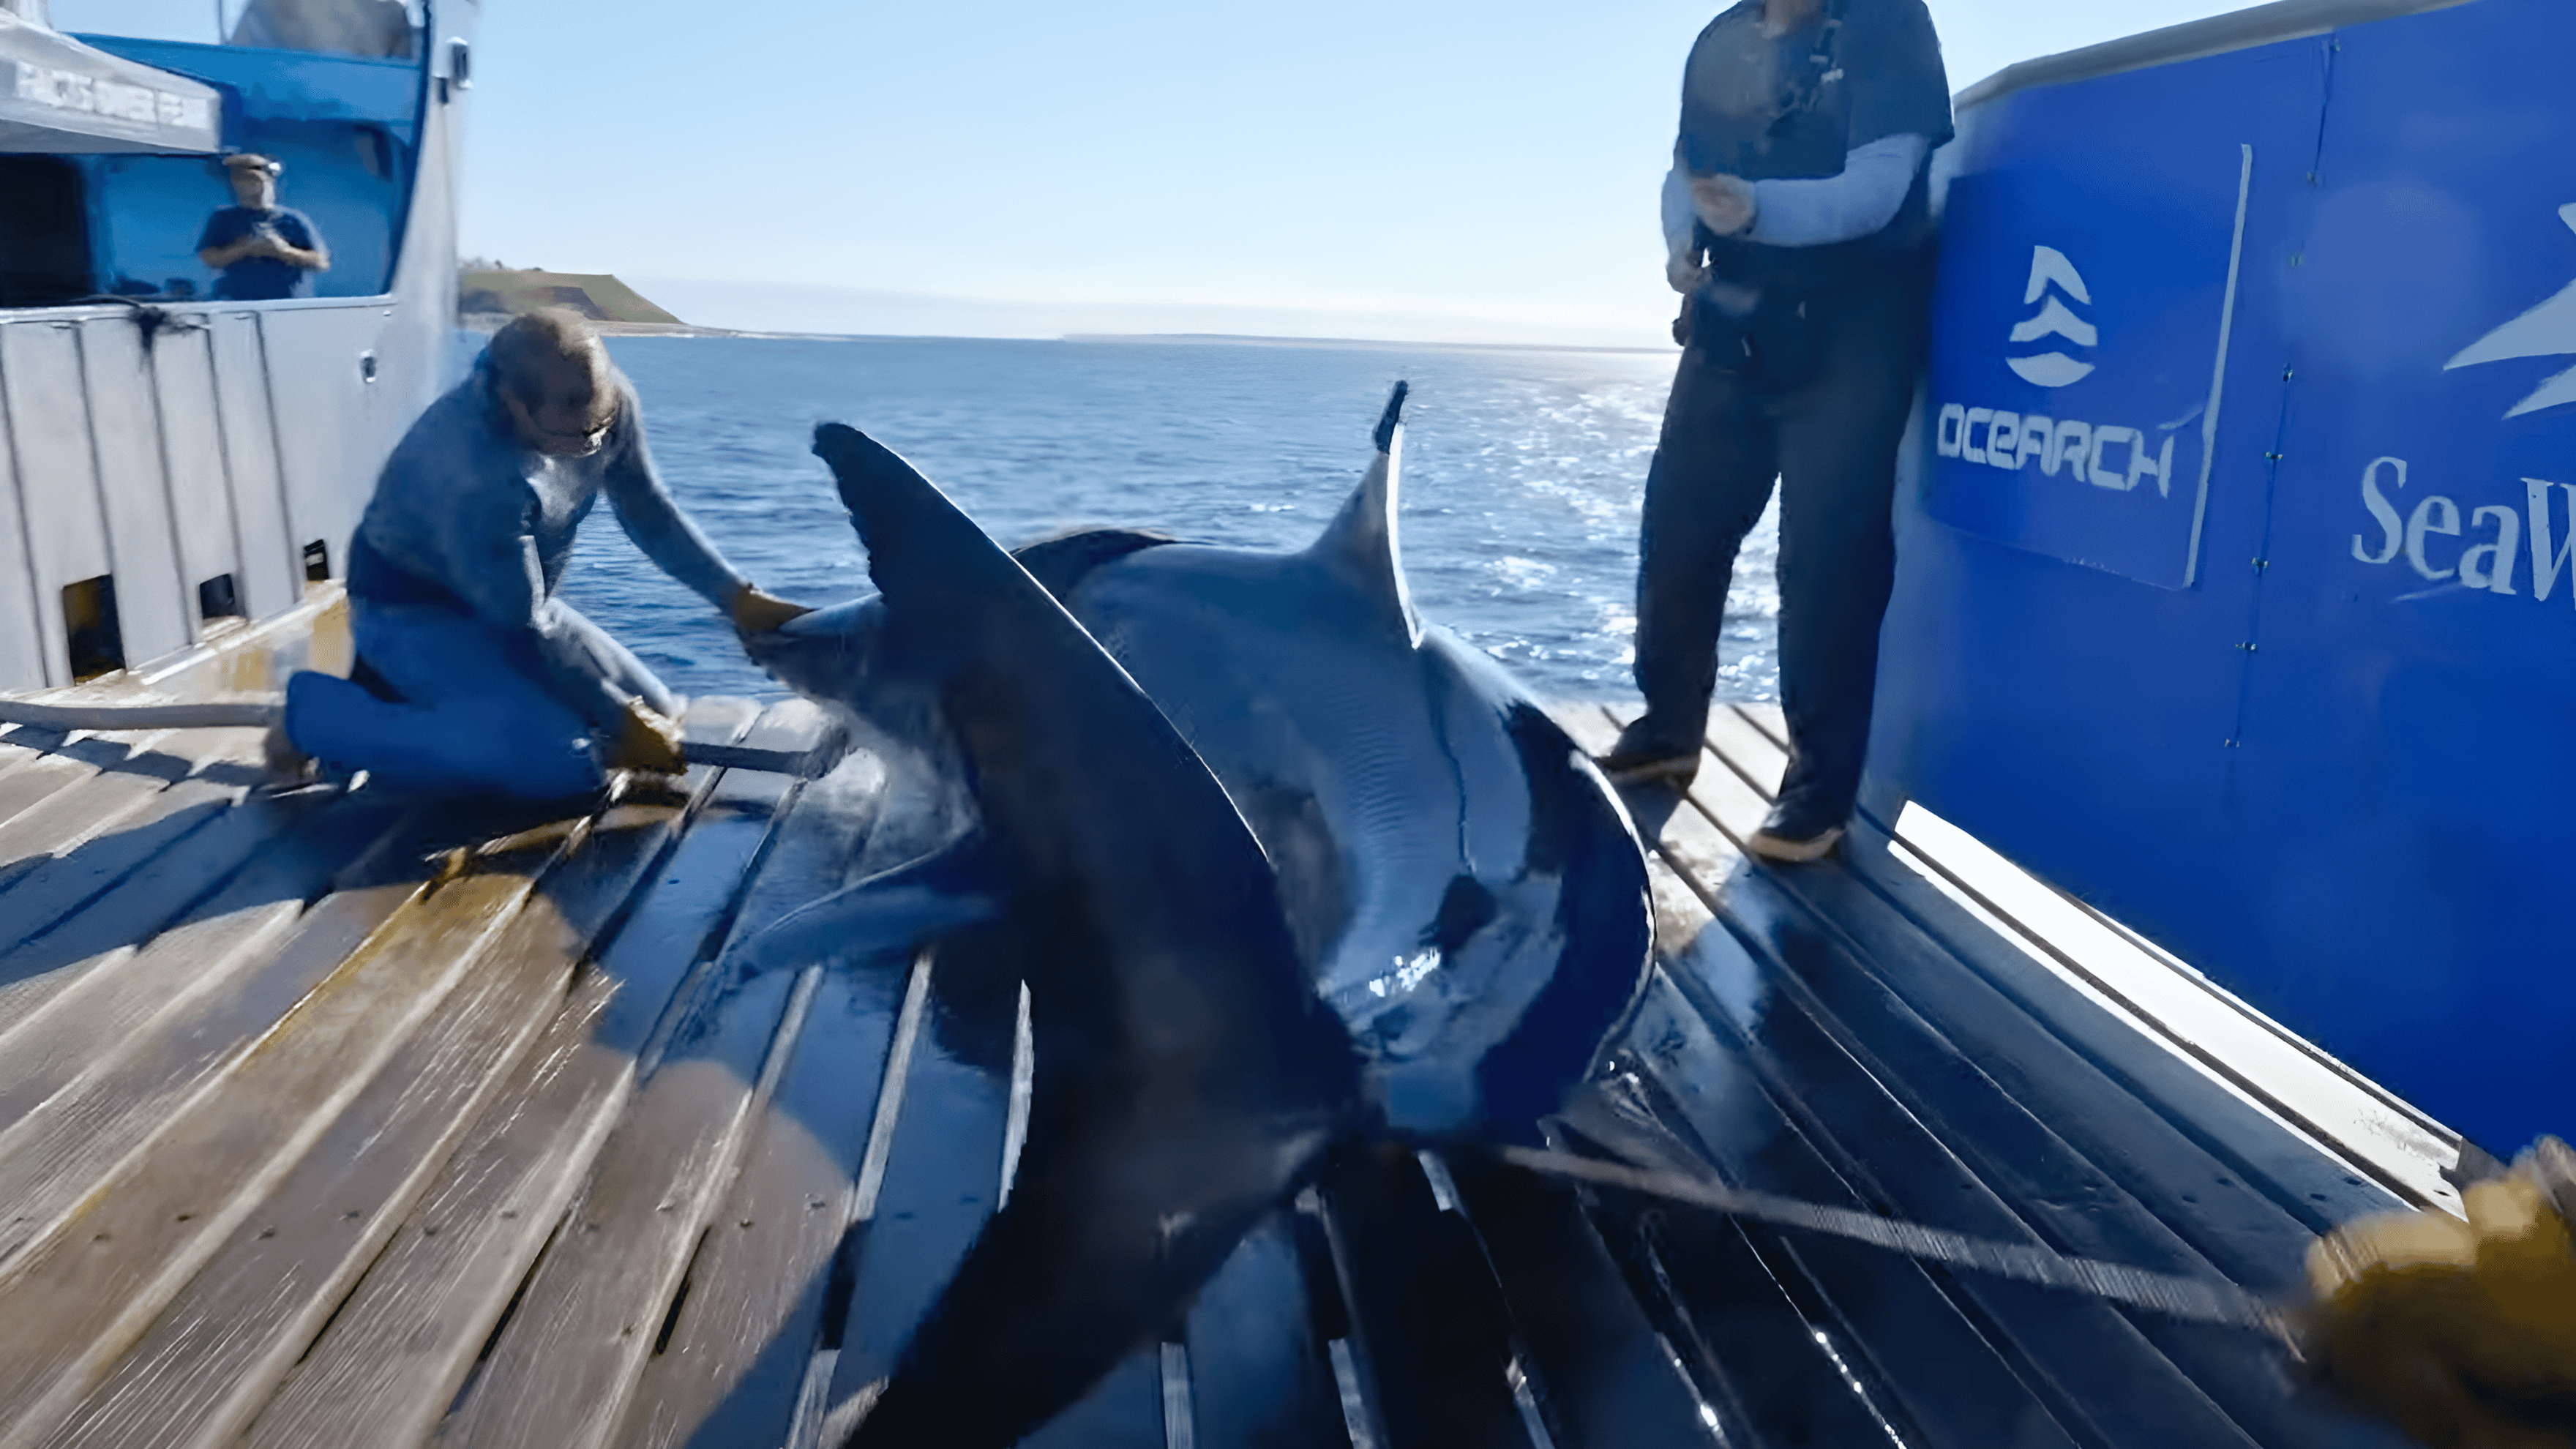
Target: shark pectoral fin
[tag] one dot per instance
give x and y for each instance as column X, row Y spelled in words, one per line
column 885, row 915
column 1360, row 543
column 958, row 606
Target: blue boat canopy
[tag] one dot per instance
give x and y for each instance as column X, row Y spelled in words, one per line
column 58, row 95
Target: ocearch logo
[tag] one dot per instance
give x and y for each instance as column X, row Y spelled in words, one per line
column 2053, row 279
column 2115, row 458
column 2106, row 455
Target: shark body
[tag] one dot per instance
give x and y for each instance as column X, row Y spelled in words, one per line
column 1292, row 869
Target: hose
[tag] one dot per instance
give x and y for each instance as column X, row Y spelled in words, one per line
column 267, row 713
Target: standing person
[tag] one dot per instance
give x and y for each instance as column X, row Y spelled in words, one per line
column 260, row 250
column 1797, row 224
column 471, row 674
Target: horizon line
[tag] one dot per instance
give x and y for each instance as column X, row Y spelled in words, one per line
column 608, row 328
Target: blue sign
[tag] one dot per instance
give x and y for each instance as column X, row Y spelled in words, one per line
column 2088, row 309
column 2327, row 756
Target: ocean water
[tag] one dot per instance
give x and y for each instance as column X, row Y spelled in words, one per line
column 1523, row 472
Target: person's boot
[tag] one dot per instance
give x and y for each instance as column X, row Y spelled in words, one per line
column 288, row 764
column 1647, row 751
column 1799, row 829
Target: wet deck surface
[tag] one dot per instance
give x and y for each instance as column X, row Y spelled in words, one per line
column 326, row 1122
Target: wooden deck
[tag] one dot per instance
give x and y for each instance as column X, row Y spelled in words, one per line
column 325, row 1122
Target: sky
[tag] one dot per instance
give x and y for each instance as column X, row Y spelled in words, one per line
column 1422, row 170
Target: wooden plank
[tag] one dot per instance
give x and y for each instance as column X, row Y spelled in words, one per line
column 1682, row 899
column 1755, row 1301
column 192, row 449
column 20, row 744
column 561, row 1370
column 1260, row 1368
column 71, row 762
column 2160, row 1154
column 2134, row 1011
column 393, row 1359
column 943, row 1165
column 57, row 811
column 735, row 1365
column 124, row 1071
column 1748, row 1345
column 208, row 1362
column 182, row 888
column 71, row 1012
column 45, row 889
column 1431, row 1338
column 23, row 744
column 22, row 645
column 2186, row 1094
column 1604, row 1377
column 2117, row 1129
column 40, row 375
column 272, row 564
column 68, row 818
column 1881, row 1144
column 945, row 1173
column 2061, row 1145
column 1743, row 746
column 109, row 848
column 558, row 1374
column 1726, row 799
column 1706, row 859
column 85, row 1286
column 158, row 617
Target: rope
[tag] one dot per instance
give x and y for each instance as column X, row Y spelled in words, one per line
column 2195, row 1299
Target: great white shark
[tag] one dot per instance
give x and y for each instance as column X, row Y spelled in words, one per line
column 1460, row 898
column 1463, row 887
column 1186, row 1081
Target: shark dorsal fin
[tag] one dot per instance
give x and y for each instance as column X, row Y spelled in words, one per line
column 1360, row 543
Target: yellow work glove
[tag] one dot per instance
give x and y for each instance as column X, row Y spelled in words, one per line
column 757, row 613
column 645, row 741
column 2463, row 1333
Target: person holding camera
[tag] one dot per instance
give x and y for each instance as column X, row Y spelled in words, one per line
column 259, row 250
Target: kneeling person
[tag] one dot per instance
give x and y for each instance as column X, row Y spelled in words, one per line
column 471, row 675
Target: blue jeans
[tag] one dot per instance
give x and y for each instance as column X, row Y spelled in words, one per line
column 475, row 714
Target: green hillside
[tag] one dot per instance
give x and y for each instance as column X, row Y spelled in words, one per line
column 598, row 296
